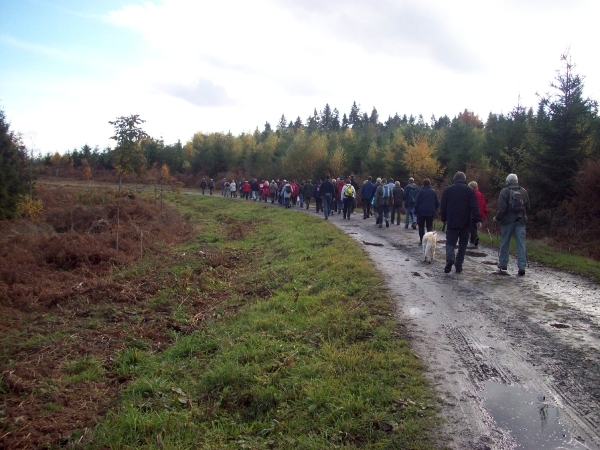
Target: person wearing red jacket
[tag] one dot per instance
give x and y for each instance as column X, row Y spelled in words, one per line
column 246, row 190
column 483, row 211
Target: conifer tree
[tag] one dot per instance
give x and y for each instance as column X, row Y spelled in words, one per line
column 564, row 136
column 12, row 163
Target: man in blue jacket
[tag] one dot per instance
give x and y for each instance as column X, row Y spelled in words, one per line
column 327, row 195
column 459, row 204
column 366, row 194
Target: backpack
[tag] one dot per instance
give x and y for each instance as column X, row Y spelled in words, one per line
column 516, row 202
column 288, row 189
column 385, row 191
column 349, row 191
column 412, row 196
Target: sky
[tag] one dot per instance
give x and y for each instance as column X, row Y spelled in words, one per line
column 68, row 67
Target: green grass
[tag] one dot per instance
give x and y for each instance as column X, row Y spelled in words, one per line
column 301, row 349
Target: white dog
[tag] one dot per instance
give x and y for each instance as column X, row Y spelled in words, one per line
column 429, row 243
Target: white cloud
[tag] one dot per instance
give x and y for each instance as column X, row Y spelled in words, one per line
column 234, row 64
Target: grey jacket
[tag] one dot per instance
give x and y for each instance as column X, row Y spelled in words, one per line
column 505, row 215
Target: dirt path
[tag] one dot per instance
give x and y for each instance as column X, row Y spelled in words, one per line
column 516, row 360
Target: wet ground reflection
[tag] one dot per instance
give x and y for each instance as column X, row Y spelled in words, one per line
column 532, row 421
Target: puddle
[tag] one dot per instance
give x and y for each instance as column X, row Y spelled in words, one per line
column 416, row 312
column 375, row 244
column 475, row 254
column 533, row 423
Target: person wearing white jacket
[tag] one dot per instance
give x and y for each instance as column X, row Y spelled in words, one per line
column 348, row 196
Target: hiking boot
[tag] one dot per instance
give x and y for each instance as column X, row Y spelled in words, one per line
column 521, row 272
column 449, row 265
column 458, row 269
column 476, row 242
column 501, row 268
column 406, row 226
column 414, row 226
column 387, row 223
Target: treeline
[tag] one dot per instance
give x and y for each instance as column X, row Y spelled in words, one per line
column 553, row 148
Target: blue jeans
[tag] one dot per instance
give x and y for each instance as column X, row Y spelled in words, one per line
column 516, row 229
column 452, row 236
column 410, row 212
column 301, row 198
column 326, row 205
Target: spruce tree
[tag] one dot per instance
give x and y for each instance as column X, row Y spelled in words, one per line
column 12, row 164
column 564, row 137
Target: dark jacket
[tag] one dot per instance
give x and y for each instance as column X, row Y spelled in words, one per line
column 203, row 184
column 307, row 191
column 408, row 189
column 317, row 190
column 458, row 205
column 327, row 187
column 367, row 191
column 427, row 202
column 380, row 201
column 505, row 215
column 398, row 194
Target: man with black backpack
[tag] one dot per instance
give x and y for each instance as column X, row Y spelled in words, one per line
column 513, row 204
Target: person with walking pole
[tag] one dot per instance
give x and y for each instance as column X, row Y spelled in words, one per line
column 513, row 204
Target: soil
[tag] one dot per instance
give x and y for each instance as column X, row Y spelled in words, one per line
column 515, row 359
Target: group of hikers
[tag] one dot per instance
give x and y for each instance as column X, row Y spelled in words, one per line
column 462, row 207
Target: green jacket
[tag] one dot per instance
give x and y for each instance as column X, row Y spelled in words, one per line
column 505, row 215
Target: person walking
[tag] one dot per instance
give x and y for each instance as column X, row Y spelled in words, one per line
column 308, row 192
column 383, row 201
column 273, row 191
column 339, row 186
column 254, row 188
column 483, row 211
column 356, row 189
column 366, row 194
column 327, row 195
column 459, row 204
column 348, row 194
column 286, row 192
column 224, row 187
column 513, row 204
column 211, row 186
column 398, row 194
column 426, row 207
column 233, row 189
column 317, row 196
column 203, row 185
column 411, row 191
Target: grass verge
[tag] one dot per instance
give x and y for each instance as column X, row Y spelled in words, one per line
column 286, row 338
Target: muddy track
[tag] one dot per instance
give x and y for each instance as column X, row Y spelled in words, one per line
column 515, row 360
